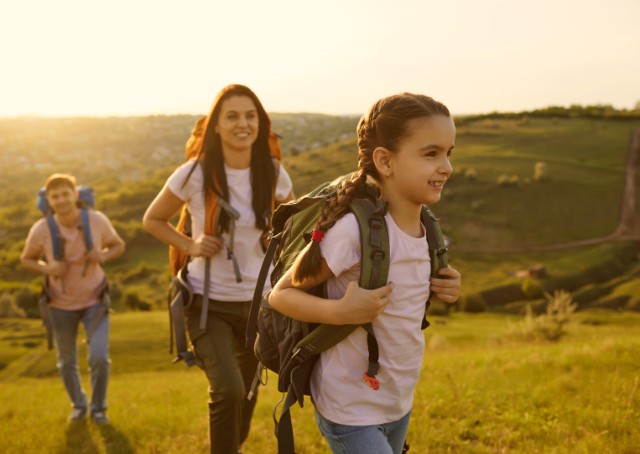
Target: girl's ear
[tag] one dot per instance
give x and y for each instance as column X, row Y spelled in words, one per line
column 382, row 161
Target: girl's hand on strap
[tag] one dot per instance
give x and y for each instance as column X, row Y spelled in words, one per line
column 360, row 305
column 447, row 287
column 205, row 246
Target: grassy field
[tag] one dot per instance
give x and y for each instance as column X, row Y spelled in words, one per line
column 482, row 390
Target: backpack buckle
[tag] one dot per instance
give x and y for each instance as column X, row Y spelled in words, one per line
column 375, row 223
column 377, row 255
column 302, row 354
column 442, row 250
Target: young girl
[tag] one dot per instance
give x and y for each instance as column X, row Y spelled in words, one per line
column 404, row 145
column 233, row 164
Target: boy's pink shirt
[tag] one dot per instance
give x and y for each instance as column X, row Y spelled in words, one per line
column 80, row 291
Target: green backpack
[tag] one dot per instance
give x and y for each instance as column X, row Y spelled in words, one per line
column 290, row 347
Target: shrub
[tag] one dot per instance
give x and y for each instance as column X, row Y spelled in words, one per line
column 8, row 308
column 549, row 326
column 539, row 171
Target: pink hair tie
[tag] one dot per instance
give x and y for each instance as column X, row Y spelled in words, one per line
column 317, row 235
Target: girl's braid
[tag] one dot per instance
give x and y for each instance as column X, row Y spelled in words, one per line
column 338, row 203
column 308, row 264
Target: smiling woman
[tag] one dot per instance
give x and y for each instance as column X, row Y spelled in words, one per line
column 229, row 190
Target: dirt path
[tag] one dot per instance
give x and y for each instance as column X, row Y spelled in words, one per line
column 547, row 247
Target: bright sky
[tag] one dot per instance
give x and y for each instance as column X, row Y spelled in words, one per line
column 131, row 57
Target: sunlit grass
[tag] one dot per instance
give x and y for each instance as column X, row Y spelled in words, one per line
column 481, row 391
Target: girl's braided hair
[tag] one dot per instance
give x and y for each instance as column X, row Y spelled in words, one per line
column 385, row 125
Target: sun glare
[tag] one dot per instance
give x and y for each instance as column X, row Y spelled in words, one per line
column 74, row 57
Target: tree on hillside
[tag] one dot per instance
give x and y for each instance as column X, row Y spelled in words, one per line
column 629, row 222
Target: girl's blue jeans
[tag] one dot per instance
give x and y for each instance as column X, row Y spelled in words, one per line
column 65, row 333
column 376, row 439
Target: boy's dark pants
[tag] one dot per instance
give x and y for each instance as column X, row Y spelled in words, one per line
column 230, row 368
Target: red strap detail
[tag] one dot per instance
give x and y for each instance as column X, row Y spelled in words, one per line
column 317, row 235
column 373, row 382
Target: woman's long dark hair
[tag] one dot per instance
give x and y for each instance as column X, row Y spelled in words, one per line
column 262, row 169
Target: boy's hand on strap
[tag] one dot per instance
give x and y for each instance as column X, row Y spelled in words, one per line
column 360, row 305
column 94, row 256
column 205, row 246
column 447, row 287
column 57, row 268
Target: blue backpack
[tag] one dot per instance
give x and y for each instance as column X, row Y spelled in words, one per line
column 86, row 200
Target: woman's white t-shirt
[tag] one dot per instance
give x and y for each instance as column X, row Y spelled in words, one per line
column 339, row 392
column 247, row 245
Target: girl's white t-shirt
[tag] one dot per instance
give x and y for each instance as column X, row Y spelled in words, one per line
column 247, row 245
column 339, row 392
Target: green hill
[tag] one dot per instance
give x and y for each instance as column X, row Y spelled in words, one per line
column 491, row 202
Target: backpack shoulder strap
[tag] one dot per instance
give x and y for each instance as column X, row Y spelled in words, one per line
column 438, row 252
column 374, row 241
column 374, row 265
column 250, row 332
column 86, row 228
column 58, row 248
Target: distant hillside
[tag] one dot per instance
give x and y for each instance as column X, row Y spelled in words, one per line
column 130, row 148
column 493, row 199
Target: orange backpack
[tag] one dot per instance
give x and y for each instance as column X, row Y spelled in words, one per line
column 178, row 259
